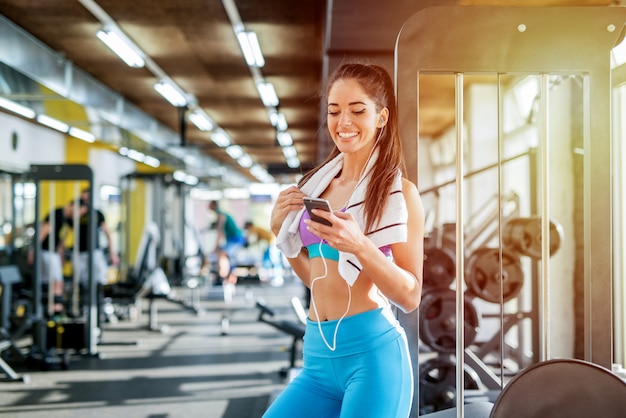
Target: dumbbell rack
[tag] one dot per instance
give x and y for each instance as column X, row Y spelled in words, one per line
column 437, row 328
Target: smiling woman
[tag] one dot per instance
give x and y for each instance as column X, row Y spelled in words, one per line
column 357, row 261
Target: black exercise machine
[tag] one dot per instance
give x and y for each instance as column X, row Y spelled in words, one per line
column 293, row 328
column 9, row 275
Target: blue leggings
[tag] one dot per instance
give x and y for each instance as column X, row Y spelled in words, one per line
column 369, row 375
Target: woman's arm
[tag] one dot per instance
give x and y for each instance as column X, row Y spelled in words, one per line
column 289, row 200
column 400, row 280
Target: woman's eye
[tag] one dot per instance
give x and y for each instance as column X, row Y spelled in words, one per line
column 333, row 113
column 359, row 112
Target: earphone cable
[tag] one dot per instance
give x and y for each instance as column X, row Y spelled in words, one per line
column 317, row 317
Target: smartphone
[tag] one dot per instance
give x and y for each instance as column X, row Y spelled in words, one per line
column 317, row 203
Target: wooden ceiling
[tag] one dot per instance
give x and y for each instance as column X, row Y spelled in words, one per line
column 193, row 42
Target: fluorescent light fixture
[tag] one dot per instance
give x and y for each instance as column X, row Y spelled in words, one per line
column 245, row 161
column 171, row 92
column 235, row 151
column 80, row 134
column 284, row 139
column 293, row 162
column 202, row 121
column 251, row 49
column 260, row 173
column 220, row 138
column 179, row 176
column 278, row 120
column 136, row 155
column 183, row 177
column 267, row 93
column 191, row 180
column 151, row 161
column 289, row 152
column 122, row 47
column 17, row 108
column 53, row 123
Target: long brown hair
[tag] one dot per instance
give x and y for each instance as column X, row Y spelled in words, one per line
column 378, row 86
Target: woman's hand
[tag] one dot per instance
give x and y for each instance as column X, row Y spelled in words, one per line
column 288, row 200
column 344, row 234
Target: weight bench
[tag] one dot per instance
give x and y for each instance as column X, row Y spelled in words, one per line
column 293, row 328
column 562, row 388
column 553, row 388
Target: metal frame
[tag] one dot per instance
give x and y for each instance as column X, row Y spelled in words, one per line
column 76, row 172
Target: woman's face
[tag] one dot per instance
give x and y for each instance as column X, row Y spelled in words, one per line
column 352, row 117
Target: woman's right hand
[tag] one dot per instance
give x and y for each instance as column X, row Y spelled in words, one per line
column 288, row 200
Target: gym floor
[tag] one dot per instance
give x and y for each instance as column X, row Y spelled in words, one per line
column 186, row 369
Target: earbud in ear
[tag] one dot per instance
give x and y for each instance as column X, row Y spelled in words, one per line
column 381, row 122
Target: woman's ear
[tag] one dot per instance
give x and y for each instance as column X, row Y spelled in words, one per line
column 382, row 119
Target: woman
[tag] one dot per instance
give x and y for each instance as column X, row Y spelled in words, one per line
column 356, row 359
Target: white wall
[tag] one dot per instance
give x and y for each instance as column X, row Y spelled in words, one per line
column 35, row 145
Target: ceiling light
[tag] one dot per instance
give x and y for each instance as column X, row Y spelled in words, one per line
column 183, row 177
column 17, row 108
column 136, row 155
column 267, row 93
column 278, row 120
column 202, row 121
column 171, row 92
column 260, row 173
column 53, row 123
column 80, row 134
column 122, row 47
column 245, row 161
column 289, row 152
column 284, row 139
column 152, row 162
column 191, row 180
column 293, row 162
column 220, row 138
column 251, row 49
column 235, row 151
column 179, row 175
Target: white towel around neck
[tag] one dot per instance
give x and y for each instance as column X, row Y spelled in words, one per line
column 391, row 228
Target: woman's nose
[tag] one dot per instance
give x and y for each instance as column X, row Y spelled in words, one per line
column 345, row 119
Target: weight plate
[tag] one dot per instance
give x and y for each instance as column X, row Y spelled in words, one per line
column 437, row 320
column 523, row 235
column 486, row 269
column 439, row 267
column 437, row 384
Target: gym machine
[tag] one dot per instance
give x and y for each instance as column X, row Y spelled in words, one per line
column 519, row 43
column 290, row 327
column 9, row 276
column 153, row 208
column 55, row 337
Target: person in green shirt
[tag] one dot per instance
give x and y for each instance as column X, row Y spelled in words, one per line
column 230, row 239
